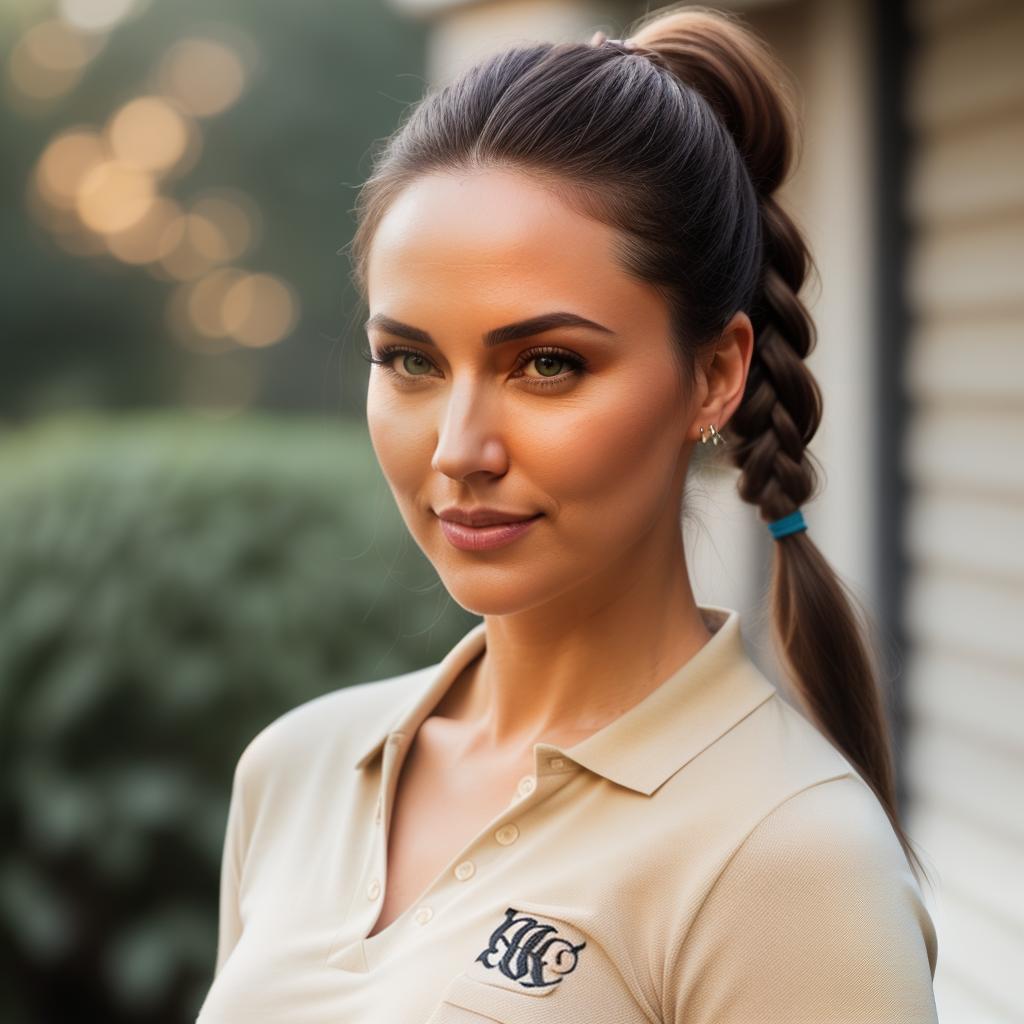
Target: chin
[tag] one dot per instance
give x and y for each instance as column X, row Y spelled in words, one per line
column 513, row 587
column 492, row 590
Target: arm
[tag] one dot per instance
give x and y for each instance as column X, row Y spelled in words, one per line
column 235, row 841
column 816, row 919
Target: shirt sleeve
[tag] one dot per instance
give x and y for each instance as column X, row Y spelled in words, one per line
column 816, row 919
column 229, row 925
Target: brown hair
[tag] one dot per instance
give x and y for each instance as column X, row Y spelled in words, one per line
column 679, row 138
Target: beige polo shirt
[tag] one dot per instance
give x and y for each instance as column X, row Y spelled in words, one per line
column 707, row 857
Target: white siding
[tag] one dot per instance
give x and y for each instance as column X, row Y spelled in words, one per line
column 964, row 458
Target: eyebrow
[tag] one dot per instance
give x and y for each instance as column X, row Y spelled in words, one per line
column 499, row 336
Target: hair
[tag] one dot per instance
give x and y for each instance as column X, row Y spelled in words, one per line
column 679, row 138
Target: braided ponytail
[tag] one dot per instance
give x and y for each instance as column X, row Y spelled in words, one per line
column 814, row 624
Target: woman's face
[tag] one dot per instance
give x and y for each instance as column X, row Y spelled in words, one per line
column 585, row 424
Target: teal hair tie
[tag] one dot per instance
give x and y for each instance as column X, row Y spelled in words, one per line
column 788, row 524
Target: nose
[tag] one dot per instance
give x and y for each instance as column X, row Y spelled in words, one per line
column 469, row 437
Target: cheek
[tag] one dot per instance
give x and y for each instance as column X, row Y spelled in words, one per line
column 616, row 455
column 401, row 442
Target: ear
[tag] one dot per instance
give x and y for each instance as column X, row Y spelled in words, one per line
column 722, row 370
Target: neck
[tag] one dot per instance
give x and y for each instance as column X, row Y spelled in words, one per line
column 561, row 671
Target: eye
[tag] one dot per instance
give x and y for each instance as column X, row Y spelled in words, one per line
column 414, row 363
column 547, row 359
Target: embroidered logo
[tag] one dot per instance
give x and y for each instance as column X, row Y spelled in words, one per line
column 529, row 951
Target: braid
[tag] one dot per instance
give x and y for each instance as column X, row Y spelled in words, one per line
column 815, row 622
column 782, row 405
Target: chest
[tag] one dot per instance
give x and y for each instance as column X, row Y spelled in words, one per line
column 562, row 917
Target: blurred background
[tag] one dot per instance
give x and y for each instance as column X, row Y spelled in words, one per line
column 194, row 533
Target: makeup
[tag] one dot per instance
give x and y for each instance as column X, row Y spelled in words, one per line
column 484, row 538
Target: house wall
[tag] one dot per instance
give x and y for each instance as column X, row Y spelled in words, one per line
column 965, row 483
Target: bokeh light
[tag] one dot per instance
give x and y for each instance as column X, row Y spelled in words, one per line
column 259, row 310
column 110, row 191
column 205, row 300
column 198, row 244
column 236, row 218
column 150, row 133
column 98, row 15
column 55, row 45
column 114, row 196
column 205, row 76
column 151, row 237
column 46, row 62
column 66, row 162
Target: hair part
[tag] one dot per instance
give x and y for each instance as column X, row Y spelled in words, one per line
column 679, row 140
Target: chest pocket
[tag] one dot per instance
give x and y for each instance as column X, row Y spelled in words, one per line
column 531, row 967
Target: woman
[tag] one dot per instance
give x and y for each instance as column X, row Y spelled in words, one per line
column 595, row 808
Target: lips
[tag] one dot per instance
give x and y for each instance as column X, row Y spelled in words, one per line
column 483, row 516
column 483, row 538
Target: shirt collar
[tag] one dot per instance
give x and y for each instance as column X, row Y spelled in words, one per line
column 704, row 698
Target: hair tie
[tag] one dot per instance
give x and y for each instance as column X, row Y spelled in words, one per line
column 792, row 523
column 629, row 49
column 600, row 39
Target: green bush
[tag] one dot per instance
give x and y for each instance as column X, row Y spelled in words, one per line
column 168, row 586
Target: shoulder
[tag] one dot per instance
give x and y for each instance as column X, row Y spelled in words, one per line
column 816, row 809
column 824, row 872
column 828, row 848
column 817, row 914
column 834, row 828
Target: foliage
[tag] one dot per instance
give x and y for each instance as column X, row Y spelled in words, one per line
column 167, row 587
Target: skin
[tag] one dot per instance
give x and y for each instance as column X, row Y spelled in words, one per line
column 592, row 608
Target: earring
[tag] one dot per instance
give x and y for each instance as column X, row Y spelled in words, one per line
column 714, row 436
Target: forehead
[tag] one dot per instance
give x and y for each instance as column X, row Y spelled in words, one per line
column 490, row 236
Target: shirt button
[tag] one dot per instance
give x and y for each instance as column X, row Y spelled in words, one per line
column 465, row 870
column 557, row 762
column 373, row 889
column 526, row 785
column 507, row 834
column 423, row 915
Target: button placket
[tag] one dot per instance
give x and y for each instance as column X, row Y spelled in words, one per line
column 365, row 907
column 552, row 772
column 530, row 789
column 360, row 955
column 378, row 856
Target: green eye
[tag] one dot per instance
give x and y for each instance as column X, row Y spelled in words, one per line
column 415, row 357
column 551, row 361
column 554, row 366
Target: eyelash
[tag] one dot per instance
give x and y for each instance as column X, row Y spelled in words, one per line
column 387, row 354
